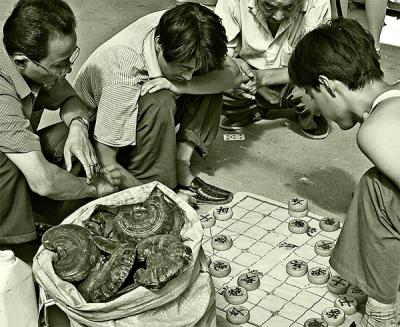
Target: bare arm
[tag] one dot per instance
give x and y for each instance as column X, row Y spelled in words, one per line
column 216, row 81
column 108, row 156
column 378, row 139
column 49, row 180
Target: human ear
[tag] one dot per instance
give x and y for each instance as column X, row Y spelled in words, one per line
column 157, row 43
column 328, row 84
column 20, row 60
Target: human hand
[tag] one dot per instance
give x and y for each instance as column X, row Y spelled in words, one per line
column 106, row 181
column 78, row 145
column 157, row 84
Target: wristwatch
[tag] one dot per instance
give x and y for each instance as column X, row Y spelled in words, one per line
column 81, row 119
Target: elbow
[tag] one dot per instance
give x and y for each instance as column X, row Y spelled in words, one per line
column 236, row 76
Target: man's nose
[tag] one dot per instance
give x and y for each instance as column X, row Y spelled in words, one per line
column 187, row 76
column 278, row 16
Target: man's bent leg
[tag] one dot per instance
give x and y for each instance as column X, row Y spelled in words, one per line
column 16, row 216
column 367, row 252
column 198, row 116
column 153, row 158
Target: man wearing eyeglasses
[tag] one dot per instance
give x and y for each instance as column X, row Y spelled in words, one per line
column 261, row 37
column 38, row 50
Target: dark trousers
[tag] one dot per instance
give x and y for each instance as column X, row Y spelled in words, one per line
column 367, row 252
column 271, row 97
column 17, row 201
column 153, row 158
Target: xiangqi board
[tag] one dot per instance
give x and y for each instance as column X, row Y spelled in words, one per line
column 263, row 245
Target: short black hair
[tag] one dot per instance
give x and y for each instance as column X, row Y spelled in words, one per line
column 32, row 23
column 341, row 50
column 192, row 31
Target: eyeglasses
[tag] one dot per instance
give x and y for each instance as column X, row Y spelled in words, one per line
column 66, row 70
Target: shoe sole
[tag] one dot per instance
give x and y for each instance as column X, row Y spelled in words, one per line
column 231, row 128
column 315, row 137
column 214, row 202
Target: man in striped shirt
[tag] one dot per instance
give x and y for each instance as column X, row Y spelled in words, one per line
column 39, row 48
column 167, row 68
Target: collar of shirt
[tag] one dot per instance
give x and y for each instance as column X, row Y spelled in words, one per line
column 283, row 26
column 150, row 55
column 9, row 68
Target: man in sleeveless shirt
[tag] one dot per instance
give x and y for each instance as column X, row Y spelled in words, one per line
column 339, row 67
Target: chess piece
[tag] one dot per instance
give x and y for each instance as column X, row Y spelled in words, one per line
column 333, row 316
column 329, row 224
column 249, row 281
column 220, row 268
column 324, row 248
column 338, row 285
column 296, row 268
column 347, row 303
column 237, row 315
column 221, row 242
column 235, row 295
column 298, row 226
column 207, row 220
column 222, row 213
column 297, row 207
column 318, row 275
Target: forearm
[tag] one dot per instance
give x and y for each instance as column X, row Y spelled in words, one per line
column 62, row 185
column 216, row 81
column 274, row 76
column 107, row 156
column 73, row 107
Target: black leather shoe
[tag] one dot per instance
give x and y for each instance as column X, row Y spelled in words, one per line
column 207, row 193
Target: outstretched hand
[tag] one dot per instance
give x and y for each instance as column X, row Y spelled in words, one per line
column 157, row 84
column 78, row 145
column 106, row 180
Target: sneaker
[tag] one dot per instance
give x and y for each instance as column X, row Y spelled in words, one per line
column 320, row 132
column 230, row 124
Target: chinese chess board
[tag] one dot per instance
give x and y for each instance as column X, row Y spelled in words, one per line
column 262, row 243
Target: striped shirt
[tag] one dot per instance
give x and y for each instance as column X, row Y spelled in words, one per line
column 250, row 38
column 109, row 82
column 21, row 106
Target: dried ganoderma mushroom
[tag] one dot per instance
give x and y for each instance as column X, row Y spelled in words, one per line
column 76, row 252
column 101, row 220
column 108, row 276
column 165, row 257
column 155, row 216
